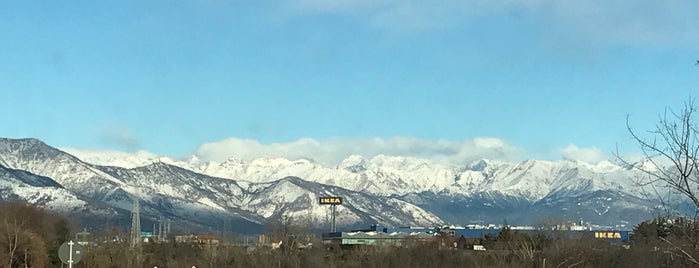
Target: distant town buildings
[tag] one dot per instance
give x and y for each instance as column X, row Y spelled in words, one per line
column 198, row 239
column 463, row 236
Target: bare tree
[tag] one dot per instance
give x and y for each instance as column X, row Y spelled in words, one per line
column 21, row 241
column 672, row 152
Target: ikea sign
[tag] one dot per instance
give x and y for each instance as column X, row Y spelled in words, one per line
column 330, row 200
column 608, row 235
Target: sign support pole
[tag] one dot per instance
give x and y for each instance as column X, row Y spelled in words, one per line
column 70, row 255
column 332, row 225
column 333, row 201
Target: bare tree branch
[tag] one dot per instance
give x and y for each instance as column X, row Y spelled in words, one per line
column 672, row 152
column 681, row 250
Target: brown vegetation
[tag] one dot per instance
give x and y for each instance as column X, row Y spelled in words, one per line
column 30, row 237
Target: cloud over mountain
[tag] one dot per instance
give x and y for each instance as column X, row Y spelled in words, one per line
column 588, row 155
column 332, row 151
column 119, row 136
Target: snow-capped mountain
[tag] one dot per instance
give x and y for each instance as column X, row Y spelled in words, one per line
column 384, row 189
column 22, row 186
column 196, row 199
column 387, row 175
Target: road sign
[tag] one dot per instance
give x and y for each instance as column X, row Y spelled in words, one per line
column 71, row 253
column 146, row 234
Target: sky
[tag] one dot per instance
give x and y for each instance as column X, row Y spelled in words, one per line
column 324, row 79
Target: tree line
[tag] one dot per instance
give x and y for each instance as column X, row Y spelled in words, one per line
column 30, row 237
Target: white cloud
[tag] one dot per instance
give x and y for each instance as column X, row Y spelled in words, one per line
column 332, row 151
column 642, row 21
column 391, row 15
column 119, row 136
column 636, row 158
column 93, row 153
column 589, row 155
column 589, row 21
column 334, row 6
column 113, row 157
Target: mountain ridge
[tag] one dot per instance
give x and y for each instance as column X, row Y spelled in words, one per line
column 383, row 189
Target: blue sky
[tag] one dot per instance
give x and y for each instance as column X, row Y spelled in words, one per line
column 536, row 78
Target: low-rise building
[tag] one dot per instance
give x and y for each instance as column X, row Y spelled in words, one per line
column 375, row 238
column 198, row 239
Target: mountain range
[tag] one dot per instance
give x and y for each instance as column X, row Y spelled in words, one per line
column 250, row 195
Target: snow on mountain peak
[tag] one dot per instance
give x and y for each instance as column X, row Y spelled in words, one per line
column 483, row 165
column 377, row 189
column 193, row 160
column 387, row 175
column 352, row 160
column 353, row 163
column 113, row 158
column 235, row 161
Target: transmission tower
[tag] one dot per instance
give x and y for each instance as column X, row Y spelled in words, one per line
column 159, row 236
column 163, row 229
column 167, row 229
column 135, row 224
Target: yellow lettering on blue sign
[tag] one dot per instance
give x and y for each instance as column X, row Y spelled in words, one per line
column 330, row 200
column 608, row 235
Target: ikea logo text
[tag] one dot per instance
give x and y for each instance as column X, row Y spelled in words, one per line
column 608, row 235
column 330, row 200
